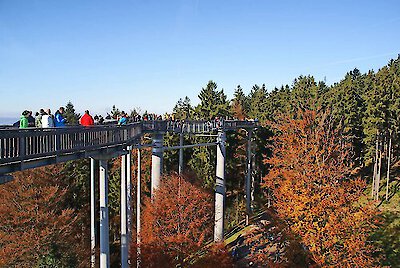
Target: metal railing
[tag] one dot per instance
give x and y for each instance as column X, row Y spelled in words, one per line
column 25, row 144
column 18, row 145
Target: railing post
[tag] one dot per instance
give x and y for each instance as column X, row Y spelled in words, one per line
column 57, row 142
column 156, row 162
column 22, row 147
column 220, row 189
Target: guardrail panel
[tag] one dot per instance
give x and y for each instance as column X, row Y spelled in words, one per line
column 31, row 143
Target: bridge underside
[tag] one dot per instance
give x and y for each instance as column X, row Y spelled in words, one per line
column 108, row 152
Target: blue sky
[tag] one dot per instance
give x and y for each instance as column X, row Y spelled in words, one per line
column 148, row 54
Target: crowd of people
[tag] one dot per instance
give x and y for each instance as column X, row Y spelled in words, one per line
column 45, row 119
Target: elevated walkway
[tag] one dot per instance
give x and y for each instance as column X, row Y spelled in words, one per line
column 22, row 149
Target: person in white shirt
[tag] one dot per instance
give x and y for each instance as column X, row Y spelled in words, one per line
column 47, row 120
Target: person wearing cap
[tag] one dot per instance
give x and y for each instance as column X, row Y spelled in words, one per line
column 23, row 122
column 86, row 120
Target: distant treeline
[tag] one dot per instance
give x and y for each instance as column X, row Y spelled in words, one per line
column 360, row 105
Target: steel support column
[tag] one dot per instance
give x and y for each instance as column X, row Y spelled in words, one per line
column 92, row 214
column 220, row 189
column 181, row 153
column 123, row 208
column 248, row 174
column 129, row 195
column 138, row 199
column 156, row 162
column 104, row 228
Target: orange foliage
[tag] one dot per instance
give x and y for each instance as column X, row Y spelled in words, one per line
column 33, row 222
column 238, row 111
column 176, row 224
column 315, row 194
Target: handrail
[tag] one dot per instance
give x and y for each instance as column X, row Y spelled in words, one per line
column 19, row 145
column 24, row 144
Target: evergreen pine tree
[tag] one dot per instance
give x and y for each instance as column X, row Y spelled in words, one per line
column 183, row 109
column 213, row 103
column 258, row 102
column 70, row 114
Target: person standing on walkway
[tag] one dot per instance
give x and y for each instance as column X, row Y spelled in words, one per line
column 31, row 119
column 86, row 120
column 23, row 122
column 47, row 119
column 59, row 120
column 123, row 120
column 39, row 118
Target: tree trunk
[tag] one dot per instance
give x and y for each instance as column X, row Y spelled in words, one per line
column 378, row 176
column 388, row 166
column 375, row 167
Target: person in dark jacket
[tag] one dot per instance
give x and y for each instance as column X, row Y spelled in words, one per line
column 31, row 119
column 86, row 120
column 59, row 120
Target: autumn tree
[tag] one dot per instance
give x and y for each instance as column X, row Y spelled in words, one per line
column 176, row 224
column 36, row 229
column 239, row 106
column 314, row 193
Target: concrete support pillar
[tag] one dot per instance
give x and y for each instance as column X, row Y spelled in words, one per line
column 220, row 188
column 138, row 199
column 104, row 228
column 123, row 208
column 92, row 214
column 156, row 162
column 129, row 195
column 248, row 174
column 180, row 154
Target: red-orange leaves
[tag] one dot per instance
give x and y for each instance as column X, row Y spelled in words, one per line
column 315, row 194
column 33, row 222
column 176, row 223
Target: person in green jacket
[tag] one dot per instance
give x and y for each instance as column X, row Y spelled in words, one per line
column 23, row 122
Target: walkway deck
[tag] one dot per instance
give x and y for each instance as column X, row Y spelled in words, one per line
column 22, row 149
